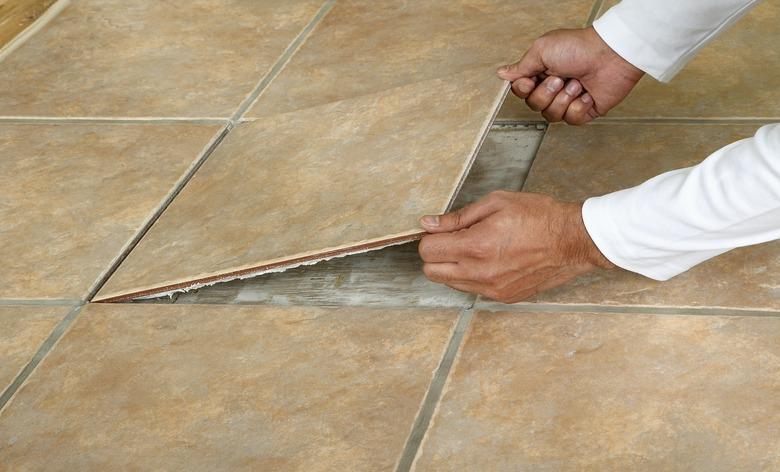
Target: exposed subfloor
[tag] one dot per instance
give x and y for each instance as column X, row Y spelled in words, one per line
column 361, row 363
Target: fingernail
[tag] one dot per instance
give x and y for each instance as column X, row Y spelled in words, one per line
column 573, row 88
column 432, row 221
column 502, row 69
column 525, row 87
column 555, row 84
column 586, row 98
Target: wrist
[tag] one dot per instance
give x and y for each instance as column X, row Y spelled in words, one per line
column 581, row 248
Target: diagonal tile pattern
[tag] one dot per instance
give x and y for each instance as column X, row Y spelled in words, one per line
column 576, row 163
column 391, row 276
column 239, row 388
column 22, row 330
column 73, row 195
column 727, row 79
column 362, row 47
column 558, row 391
column 139, row 58
column 16, row 15
column 302, row 186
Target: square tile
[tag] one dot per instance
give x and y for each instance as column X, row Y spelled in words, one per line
column 728, row 78
column 139, row 58
column 73, row 195
column 303, row 186
column 22, row 331
column 391, row 276
column 16, row 15
column 558, row 391
column 239, row 388
column 362, row 47
column 576, row 163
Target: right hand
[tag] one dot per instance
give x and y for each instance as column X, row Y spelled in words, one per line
column 598, row 78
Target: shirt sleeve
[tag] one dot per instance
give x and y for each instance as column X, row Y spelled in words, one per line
column 661, row 36
column 679, row 219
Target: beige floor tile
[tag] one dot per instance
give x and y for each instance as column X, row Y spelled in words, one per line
column 302, row 186
column 16, row 15
column 166, row 387
column 391, row 276
column 589, row 392
column 22, row 330
column 72, row 195
column 139, row 58
column 576, row 163
column 729, row 77
column 362, row 47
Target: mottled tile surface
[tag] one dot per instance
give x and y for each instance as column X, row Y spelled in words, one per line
column 164, row 387
column 553, row 392
column 72, row 195
column 362, row 46
column 730, row 77
column 576, row 163
column 16, row 15
column 146, row 58
column 391, row 276
column 317, row 181
column 22, row 330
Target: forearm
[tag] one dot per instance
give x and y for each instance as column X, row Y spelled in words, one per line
column 681, row 218
column 661, row 36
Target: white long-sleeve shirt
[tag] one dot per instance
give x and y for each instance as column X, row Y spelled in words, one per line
column 679, row 219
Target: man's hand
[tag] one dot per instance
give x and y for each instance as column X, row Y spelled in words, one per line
column 509, row 246
column 598, row 77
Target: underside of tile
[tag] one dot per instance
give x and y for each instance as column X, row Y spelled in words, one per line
column 309, row 185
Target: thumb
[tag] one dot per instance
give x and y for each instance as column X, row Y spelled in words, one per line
column 459, row 219
column 529, row 66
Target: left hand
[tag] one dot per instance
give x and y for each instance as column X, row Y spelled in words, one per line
column 509, row 246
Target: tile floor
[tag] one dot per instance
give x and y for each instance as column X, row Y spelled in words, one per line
column 358, row 362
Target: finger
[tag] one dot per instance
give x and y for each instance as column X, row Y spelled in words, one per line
column 557, row 109
column 443, row 273
column 530, row 65
column 442, row 247
column 581, row 111
column 523, row 87
column 460, row 219
column 544, row 93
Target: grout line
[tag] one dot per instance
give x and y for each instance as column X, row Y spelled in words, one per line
column 434, row 393
column 178, row 187
column 624, row 309
column 282, row 62
column 112, row 120
column 43, row 350
column 40, row 302
column 734, row 120
column 226, row 128
column 594, row 11
column 52, row 12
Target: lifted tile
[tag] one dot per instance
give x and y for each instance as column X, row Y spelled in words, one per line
column 304, row 186
column 559, row 392
column 238, row 388
column 362, row 47
column 22, row 331
column 391, row 276
column 729, row 78
column 576, row 163
column 73, row 195
column 139, row 58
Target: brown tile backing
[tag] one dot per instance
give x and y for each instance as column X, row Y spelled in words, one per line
column 304, row 186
